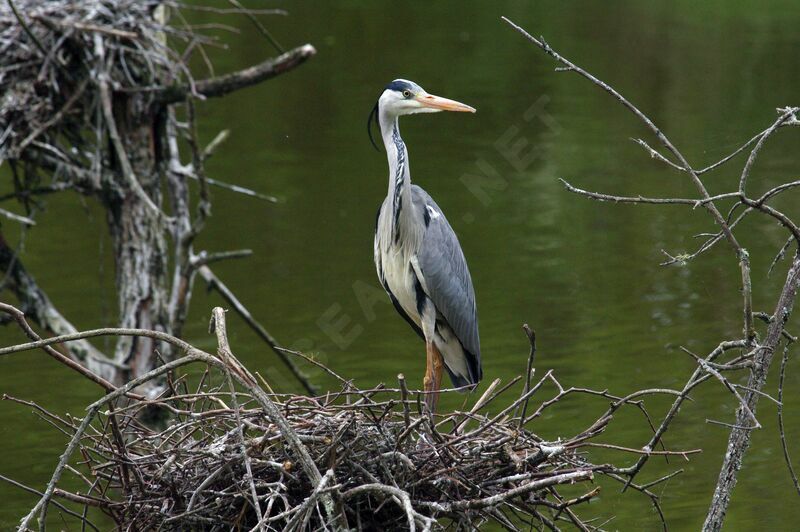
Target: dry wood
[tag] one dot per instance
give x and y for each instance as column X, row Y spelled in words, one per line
column 89, row 104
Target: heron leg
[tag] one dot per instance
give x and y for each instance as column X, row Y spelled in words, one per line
column 433, row 375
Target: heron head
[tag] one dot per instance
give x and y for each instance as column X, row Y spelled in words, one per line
column 403, row 97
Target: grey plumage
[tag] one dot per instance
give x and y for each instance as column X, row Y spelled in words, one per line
column 449, row 282
column 418, row 257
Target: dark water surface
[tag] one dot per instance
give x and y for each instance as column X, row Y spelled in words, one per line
column 585, row 275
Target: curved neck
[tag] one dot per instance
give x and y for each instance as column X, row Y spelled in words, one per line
column 396, row 152
column 399, row 174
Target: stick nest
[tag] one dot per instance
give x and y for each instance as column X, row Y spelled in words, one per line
column 386, row 468
column 49, row 53
column 232, row 454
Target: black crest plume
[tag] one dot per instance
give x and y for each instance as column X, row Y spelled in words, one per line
column 373, row 116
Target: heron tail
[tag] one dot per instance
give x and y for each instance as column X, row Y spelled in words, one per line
column 467, row 383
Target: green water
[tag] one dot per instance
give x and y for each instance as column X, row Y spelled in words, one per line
column 585, row 275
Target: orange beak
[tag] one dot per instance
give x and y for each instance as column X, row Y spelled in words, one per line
column 443, row 104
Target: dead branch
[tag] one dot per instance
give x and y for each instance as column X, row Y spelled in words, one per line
column 90, row 96
column 739, row 439
column 228, row 83
column 781, row 428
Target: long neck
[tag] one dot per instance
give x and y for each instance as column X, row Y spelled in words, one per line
column 399, row 192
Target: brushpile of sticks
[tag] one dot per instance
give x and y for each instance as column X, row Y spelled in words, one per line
column 385, row 469
column 54, row 56
column 52, row 52
column 235, row 455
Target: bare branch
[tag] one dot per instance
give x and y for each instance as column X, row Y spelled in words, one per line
column 24, row 220
column 684, row 164
column 627, row 199
column 228, row 83
column 785, row 115
column 739, row 439
column 781, row 428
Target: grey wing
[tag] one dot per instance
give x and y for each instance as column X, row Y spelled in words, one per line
column 447, row 277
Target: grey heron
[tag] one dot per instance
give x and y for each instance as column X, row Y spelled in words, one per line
column 417, row 255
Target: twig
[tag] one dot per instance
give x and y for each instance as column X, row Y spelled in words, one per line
column 781, row 428
column 17, row 217
column 55, row 503
column 648, row 452
column 19, row 317
column 565, row 478
column 250, row 15
column 626, row 199
column 41, row 506
column 725, row 382
column 781, row 254
column 401, row 379
column 224, row 351
column 785, row 115
column 27, row 28
column 645, row 120
column 204, row 257
column 531, row 334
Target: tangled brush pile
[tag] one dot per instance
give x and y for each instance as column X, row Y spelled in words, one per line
column 52, row 52
column 385, row 472
column 235, row 455
column 381, row 472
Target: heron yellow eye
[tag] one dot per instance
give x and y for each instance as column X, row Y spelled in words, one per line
column 407, row 93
